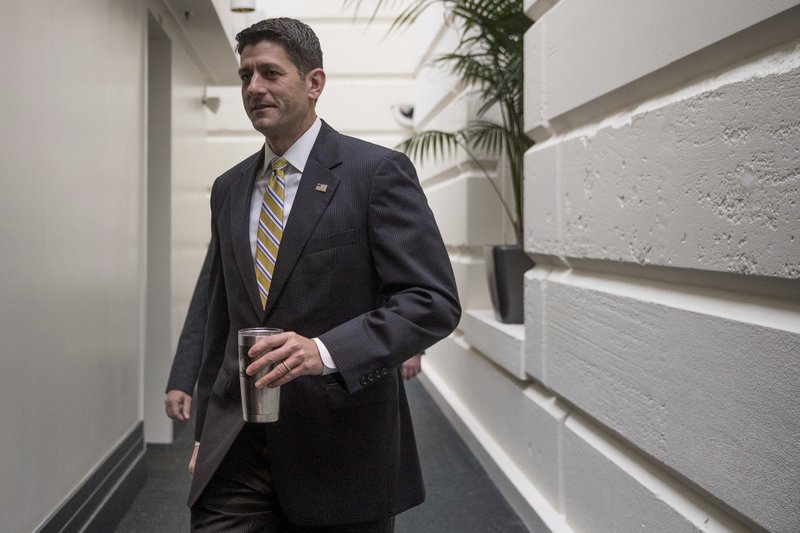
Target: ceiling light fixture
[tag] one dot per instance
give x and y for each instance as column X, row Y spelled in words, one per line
column 243, row 6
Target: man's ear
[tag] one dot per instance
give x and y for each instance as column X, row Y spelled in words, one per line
column 315, row 81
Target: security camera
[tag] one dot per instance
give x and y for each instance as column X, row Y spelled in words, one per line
column 403, row 114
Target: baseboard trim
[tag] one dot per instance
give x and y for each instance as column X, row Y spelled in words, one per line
column 99, row 503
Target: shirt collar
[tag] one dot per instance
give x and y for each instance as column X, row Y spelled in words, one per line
column 298, row 153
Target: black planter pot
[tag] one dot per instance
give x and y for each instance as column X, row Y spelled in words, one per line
column 505, row 270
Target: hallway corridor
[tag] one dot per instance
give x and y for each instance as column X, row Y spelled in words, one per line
column 460, row 496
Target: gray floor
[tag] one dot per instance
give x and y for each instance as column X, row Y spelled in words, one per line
column 461, row 498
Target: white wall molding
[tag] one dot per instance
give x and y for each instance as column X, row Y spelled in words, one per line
column 502, row 343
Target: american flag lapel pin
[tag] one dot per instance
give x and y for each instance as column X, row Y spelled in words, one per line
column 321, row 187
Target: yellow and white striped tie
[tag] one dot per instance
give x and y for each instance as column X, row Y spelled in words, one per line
column 270, row 227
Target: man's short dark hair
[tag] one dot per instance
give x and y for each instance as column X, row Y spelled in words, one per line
column 298, row 39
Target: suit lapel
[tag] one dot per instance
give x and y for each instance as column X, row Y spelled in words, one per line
column 241, row 197
column 317, row 187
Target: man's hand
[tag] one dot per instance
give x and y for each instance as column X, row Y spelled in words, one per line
column 179, row 405
column 193, row 460
column 293, row 355
column 411, row 367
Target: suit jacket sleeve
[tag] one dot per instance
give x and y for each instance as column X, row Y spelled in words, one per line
column 418, row 296
column 189, row 354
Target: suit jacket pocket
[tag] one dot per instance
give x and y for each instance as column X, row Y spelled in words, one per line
column 331, row 240
column 326, row 254
column 337, row 396
column 221, row 384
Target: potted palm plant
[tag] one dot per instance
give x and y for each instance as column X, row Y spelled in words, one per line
column 488, row 58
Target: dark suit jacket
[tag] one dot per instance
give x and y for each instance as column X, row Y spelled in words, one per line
column 363, row 267
column 188, row 355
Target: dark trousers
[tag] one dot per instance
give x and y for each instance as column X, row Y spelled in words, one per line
column 239, row 497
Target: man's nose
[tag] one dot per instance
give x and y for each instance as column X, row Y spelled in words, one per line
column 257, row 84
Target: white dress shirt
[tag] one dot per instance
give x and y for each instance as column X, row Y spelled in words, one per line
column 297, row 156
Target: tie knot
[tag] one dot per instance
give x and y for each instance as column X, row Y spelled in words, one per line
column 278, row 164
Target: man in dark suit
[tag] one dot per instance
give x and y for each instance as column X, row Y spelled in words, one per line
column 360, row 279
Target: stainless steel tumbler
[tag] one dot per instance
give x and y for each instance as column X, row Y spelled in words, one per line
column 258, row 405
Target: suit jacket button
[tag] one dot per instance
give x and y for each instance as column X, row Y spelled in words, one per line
column 384, row 371
column 363, row 380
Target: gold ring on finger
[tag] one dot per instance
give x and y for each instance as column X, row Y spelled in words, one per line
column 287, row 367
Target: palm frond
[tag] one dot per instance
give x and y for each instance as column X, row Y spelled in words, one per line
column 431, row 143
column 468, row 68
column 485, row 136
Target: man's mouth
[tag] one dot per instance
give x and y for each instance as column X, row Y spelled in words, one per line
column 258, row 107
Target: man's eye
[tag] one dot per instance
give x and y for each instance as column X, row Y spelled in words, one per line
column 245, row 78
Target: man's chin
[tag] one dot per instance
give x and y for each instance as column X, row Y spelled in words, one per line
column 262, row 125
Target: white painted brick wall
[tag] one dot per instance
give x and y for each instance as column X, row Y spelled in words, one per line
column 714, row 397
column 471, row 279
column 586, row 50
column 710, row 180
column 473, row 210
column 435, row 88
column 609, row 486
column 668, row 140
column 601, row 497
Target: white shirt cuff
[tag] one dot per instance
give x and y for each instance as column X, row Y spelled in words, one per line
column 327, row 360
